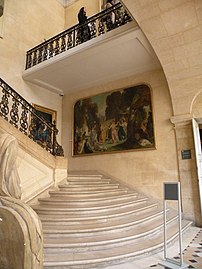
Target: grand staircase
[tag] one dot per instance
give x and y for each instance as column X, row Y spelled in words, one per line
column 93, row 221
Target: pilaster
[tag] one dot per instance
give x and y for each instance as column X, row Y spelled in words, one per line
column 187, row 167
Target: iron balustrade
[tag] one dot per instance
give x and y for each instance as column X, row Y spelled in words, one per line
column 17, row 111
column 95, row 26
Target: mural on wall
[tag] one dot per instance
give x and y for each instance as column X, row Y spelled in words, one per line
column 114, row 121
column 2, row 2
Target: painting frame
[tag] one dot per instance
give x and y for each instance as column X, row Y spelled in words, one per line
column 109, row 115
column 38, row 130
column 2, row 17
column 46, row 111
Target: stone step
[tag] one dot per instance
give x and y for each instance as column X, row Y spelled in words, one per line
column 86, row 223
column 59, row 195
column 67, row 211
column 92, row 221
column 89, row 191
column 109, row 256
column 97, row 194
column 88, row 182
column 129, row 197
column 88, row 242
column 94, row 206
column 78, row 229
column 111, row 227
column 104, row 216
column 85, row 177
column 79, row 188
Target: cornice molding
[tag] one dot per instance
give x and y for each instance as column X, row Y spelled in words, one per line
column 181, row 119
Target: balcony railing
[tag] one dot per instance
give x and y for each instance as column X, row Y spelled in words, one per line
column 95, row 26
column 17, row 111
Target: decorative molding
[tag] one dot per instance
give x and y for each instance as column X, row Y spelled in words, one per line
column 181, row 119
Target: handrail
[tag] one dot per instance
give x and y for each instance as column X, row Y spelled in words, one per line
column 17, row 111
column 95, row 26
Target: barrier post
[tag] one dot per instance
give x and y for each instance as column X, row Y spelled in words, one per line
column 172, row 192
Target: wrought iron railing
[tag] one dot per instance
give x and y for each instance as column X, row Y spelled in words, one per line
column 96, row 25
column 17, row 111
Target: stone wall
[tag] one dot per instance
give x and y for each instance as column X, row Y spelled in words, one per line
column 38, row 169
column 174, row 29
column 145, row 170
column 22, row 31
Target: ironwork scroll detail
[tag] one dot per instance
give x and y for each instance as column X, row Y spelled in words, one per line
column 95, row 26
column 17, row 111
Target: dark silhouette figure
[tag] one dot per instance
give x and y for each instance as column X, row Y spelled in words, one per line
column 84, row 30
column 87, row 147
column 110, row 19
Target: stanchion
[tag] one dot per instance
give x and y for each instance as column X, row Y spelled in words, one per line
column 172, row 192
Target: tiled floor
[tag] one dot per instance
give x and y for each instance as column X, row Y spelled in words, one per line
column 192, row 254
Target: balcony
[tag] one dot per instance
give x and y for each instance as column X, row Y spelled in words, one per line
column 64, row 65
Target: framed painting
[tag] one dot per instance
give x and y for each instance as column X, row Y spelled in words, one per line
column 2, row 8
column 115, row 121
column 47, row 114
column 38, row 130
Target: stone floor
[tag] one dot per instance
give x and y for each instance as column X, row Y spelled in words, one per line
column 192, row 254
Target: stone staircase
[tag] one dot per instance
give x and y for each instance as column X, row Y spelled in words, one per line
column 92, row 221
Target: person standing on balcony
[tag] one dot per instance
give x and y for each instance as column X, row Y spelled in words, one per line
column 84, row 28
column 110, row 19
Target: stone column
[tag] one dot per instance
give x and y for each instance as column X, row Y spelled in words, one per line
column 187, row 167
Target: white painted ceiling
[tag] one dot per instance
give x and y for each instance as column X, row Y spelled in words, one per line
column 117, row 54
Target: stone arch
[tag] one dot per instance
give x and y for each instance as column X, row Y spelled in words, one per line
column 196, row 105
column 172, row 28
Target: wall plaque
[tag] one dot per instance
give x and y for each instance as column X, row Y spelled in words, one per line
column 186, row 154
column 171, row 191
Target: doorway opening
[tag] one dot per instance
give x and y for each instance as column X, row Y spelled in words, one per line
column 197, row 132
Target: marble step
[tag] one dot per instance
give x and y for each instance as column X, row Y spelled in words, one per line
column 51, row 201
column 93, row 206
column 99, row 212
column 84, row 224
column 111, row 227
column 91, row 182
column 92, row 221
column 88, row 178
column 87, row 242
column 78, row 229
column 59, row 195
column 109, row 256
column 102, row 216
column 89, row 191
column 85, row 177
column 97, row 194
column 79, row 188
